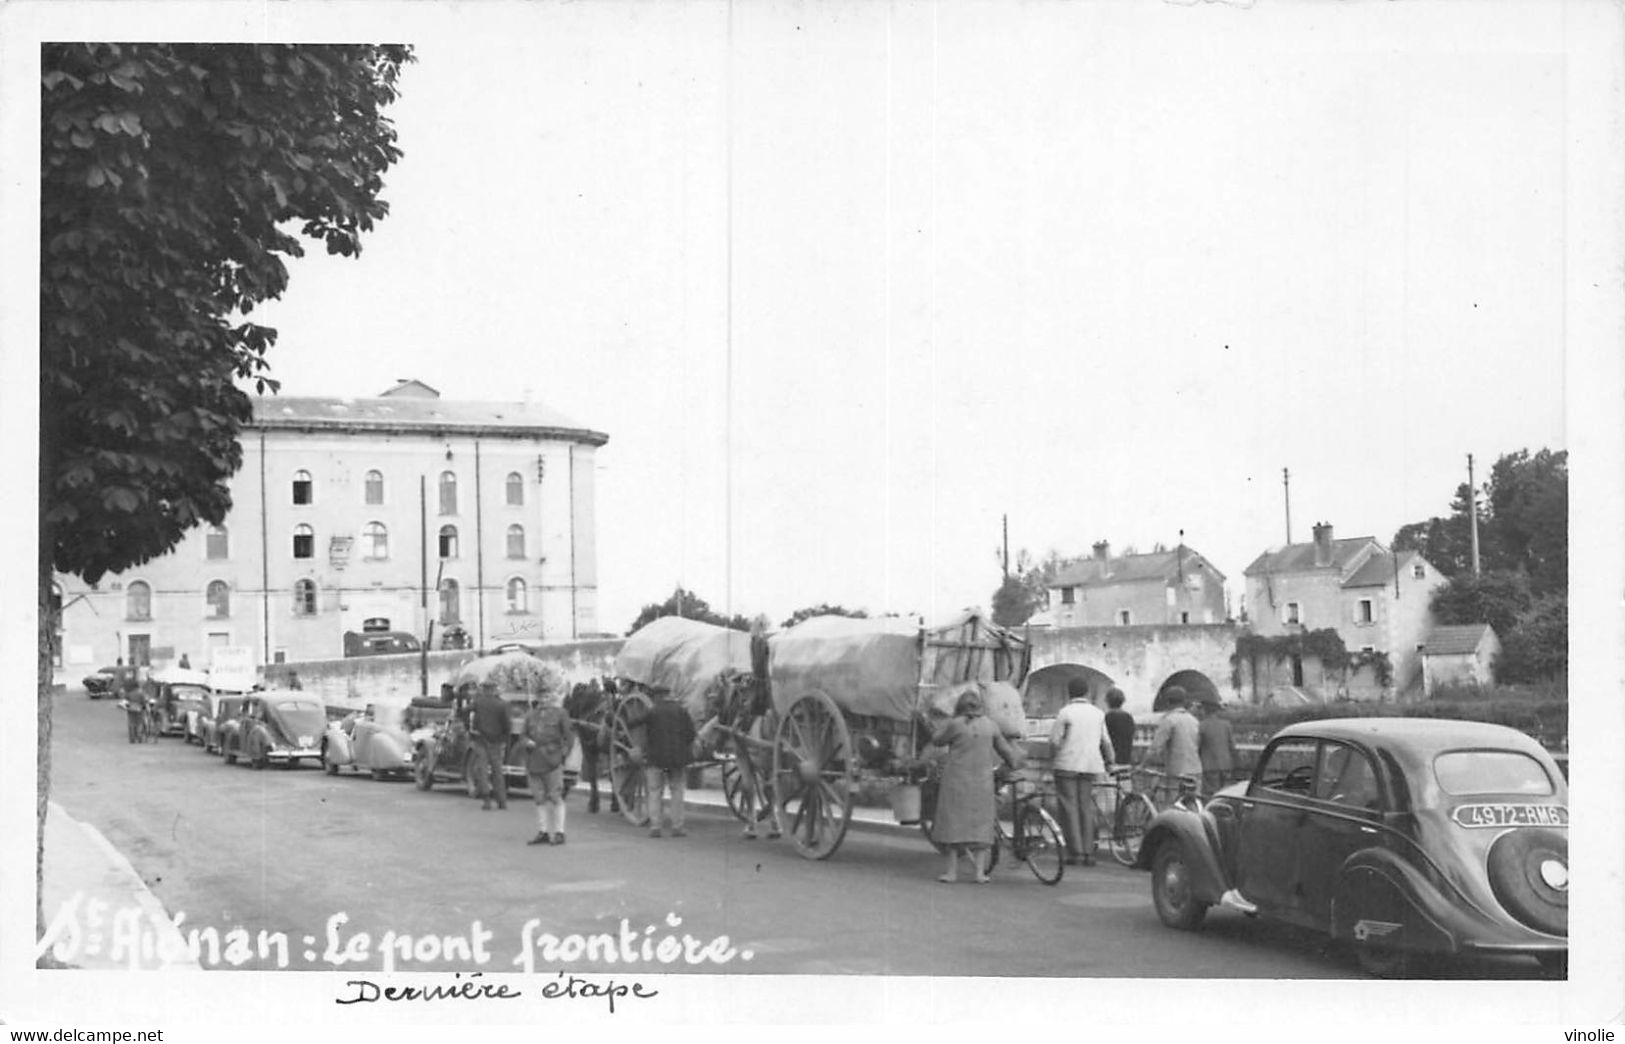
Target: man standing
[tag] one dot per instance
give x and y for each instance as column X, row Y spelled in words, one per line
column 548, row 738
column 492, row 727
column 670, row 743
column 1120, row 727
column 1175, row 744
column 1216, row 745
column 1082, row 752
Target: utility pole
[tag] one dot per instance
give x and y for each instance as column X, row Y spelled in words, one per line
column 1286, row 486
column 1472, row 500
column 1007, row 547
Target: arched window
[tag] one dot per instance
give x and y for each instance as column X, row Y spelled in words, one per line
column 448, row 493
column 304, row 542
column 138, row 601
column 516, row 541
column 304, row 598
column 303, row 490
column 216, row 544
column 219, row 597
column 375, row 542
column 448, row 541
column 517, row 602
column 450, row 599
column 375, row 487
column 516, row 489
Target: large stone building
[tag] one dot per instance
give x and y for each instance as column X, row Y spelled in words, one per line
column 1376, row 600
column 391, row 513
column 1163, row 587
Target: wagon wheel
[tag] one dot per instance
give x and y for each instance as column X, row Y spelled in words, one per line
column 627, row 743
column 731, row 784
column 814, row 776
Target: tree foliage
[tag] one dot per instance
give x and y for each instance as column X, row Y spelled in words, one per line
column 174, row 180
column 1497, row 599
column 1025, row 591
column 1536, row 650
column 685, row 603
column 822, row 609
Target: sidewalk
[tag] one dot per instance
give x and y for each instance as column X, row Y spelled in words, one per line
column 99, row 914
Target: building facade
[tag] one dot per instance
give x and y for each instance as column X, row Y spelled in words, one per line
column 1459, row 654
column 404, row 512
column 1161, row 588
column 1376, row 600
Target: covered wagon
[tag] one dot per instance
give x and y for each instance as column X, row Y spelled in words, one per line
column 848, row 695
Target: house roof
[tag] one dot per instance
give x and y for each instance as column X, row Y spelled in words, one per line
column 1454, row 639
column 403, row 413
column 1300, row 558
column 1131, row 569
column 1378, row 570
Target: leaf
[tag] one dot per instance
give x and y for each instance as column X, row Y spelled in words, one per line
column 95, row 177
column 130, row 123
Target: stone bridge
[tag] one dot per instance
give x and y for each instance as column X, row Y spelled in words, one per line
column 1142, row 661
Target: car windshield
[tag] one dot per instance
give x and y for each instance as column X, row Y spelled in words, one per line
column 1463, row 772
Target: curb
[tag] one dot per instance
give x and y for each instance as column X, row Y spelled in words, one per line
column 109, row 919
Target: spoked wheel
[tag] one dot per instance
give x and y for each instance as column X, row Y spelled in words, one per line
column 813, row 776
column 1043, row 847
column 732, row 784
column 1134, row 814
column 627, row 743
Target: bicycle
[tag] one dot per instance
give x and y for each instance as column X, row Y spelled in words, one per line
column 1126, row 820
column 1031, row 835
column 1186, row 790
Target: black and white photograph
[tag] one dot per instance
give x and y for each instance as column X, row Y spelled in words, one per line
column 650, row 516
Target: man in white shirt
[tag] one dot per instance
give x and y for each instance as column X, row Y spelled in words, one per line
column 1082, row 752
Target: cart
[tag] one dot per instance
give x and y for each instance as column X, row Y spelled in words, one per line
column 850, row 694
column 697, row 661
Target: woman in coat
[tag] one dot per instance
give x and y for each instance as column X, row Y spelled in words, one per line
column 963, row 821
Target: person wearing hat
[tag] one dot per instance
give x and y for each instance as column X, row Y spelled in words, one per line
column 1082, row 754
column 963, row 820
column 668, row 748
column 491, row 726
column 1215, row 745
column 1175, row 743
column 547, row 739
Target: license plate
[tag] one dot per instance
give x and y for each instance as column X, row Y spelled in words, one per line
column 1507, row 815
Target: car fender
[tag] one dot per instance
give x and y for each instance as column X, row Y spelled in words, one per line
column 1191, row 831
column 387, row 751
column 1380, row 899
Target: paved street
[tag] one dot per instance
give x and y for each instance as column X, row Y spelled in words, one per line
column 355, row 874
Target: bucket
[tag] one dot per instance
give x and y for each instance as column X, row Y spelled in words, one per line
column 905, row 803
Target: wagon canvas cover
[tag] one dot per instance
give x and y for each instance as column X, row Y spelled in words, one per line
column 880, row 667
column 684, row 656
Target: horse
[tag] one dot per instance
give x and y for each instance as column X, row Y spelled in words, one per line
column 738, row 704
column 589, row 706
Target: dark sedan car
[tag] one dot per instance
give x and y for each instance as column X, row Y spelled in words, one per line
column 1404, row 837
column 108, row 681
column 277, row 727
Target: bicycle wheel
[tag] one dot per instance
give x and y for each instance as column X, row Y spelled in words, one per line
column 1134, row 814
column 1042, row 847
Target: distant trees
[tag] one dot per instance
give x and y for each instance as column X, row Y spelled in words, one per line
column 1025, row 591
column 1523, row 551
column 685, row 603
column 822, row 609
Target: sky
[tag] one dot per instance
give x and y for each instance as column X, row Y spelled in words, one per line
column 848, row 284
column 849, row 291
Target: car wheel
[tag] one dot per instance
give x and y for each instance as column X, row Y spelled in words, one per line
column 231, row 756
column 328, row 765
column 1173, row 888
column 423, row 772
column 1529, row 874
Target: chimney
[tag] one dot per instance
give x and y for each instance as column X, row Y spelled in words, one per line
column 1103, row 550
column 1323, row 543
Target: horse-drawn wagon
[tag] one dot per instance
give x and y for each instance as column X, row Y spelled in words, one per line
column 814, row 710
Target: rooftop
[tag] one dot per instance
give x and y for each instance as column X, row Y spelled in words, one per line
column 1300, row 558
column 1454, row 639
column 1129, row 569
column 405, row 412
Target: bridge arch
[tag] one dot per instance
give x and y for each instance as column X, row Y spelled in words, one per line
column 1199, row 688
column 1046, row 688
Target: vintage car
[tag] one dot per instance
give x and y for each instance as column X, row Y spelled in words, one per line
column 107, row 681
column 275, row 726
column 443, row 750
column 179, row 694
column 1403, row 837
column 379, row 643
column 217, row 713
column 374, row 741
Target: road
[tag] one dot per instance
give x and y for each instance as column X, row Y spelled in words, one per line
column 347, row 873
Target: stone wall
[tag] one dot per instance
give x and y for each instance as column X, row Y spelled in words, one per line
column 1137, row 660
column 356, row 681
